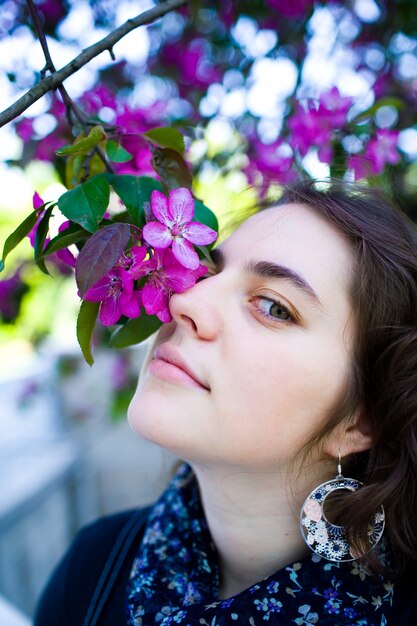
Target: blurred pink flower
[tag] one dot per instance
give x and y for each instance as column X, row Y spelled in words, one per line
column 175, row 226
column 132, row 122
column 334, row 107
column 95, row 99
column 117, row 297
column 165, row 277
column 294, row 8
column 314, row 126
column 11, row 292
column 383, row 149
column 193, row 63
column 24, row 129
column 274, row 162
column 65, row 255
column 379, row 151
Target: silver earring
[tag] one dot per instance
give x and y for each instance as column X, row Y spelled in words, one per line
column 327, row 539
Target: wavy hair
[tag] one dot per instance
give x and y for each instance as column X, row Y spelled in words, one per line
column 383, row 382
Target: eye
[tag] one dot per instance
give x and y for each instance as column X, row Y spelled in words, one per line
column 272, row 310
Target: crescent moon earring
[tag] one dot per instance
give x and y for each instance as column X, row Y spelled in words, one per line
column 324, row 538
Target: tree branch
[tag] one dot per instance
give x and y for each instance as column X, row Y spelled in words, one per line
column 70, row 105
column 55, row 79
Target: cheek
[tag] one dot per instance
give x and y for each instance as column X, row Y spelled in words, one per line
column 276, row 402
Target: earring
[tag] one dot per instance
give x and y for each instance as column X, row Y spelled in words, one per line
column 324, row 538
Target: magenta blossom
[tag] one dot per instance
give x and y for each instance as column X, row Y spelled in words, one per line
column 175, row 226
column 165, row 277
column 273, row 162
column 380, row 150
column 117, row 296
column 314, row 125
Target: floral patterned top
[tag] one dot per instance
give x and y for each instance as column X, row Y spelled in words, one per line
column 175, row 578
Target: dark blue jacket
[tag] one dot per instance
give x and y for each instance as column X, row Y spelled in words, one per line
column 88, row 586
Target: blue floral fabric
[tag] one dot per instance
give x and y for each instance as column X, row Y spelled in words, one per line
column 175, row 578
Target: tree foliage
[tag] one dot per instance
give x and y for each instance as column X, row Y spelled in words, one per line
column 277, row 90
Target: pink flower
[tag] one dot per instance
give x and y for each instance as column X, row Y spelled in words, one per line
column 315, row 125
column 165, row 277
column 175, row 226
column 360, row 165
column 307, row 129
column 334, row 107
column 193, row 62
column 274, row 162
column 12, row 291
column 64, row 254
column 117, row 296
column 380, row 150
column 24, row 129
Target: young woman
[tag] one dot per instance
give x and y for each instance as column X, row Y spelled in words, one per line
column 288, row 373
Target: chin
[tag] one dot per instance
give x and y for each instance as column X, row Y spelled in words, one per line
column 154, row 419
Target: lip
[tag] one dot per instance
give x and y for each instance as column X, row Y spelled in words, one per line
column 169, row 364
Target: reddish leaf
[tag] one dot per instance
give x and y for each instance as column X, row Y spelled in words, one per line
column 100, row 254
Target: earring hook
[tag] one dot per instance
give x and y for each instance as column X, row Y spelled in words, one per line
column 339, row 465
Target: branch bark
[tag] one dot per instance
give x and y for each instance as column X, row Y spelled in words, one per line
column 55, row 79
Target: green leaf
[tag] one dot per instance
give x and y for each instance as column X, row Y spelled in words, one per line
column 172, row 169
column 166, row 137
column 135, row 331
column 134, row 191
column 117, row 153
column 100, row 254
column 387, row 101
column 85, row 145
column 20, row 233
column 85, row 326
column 204, row 215
column 41, row 233
column 72, row 234
column 86, row 203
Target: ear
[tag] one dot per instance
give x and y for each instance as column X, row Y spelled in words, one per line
column 348, row 438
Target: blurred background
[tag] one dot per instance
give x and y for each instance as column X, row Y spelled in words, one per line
column 264, row 92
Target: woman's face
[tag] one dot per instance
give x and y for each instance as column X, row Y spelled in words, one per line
column 268, row 336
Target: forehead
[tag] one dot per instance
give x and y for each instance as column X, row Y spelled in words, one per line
column 295, row 236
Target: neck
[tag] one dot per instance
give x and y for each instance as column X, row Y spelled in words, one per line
column 253, row 518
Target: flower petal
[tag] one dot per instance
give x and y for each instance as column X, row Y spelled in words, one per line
column 37, row 201
column 157, row 235
column 181, row 205
column 126, row 284
column 131, row 307
column 185, row 253
column 179, row 279
column 99, row 291
column 66, row 256
column 154, row 298
column 160, row 208
column 198, row 233
column 164, row 315
column 110, row 311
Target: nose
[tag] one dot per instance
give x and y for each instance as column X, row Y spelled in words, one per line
column 196, row 310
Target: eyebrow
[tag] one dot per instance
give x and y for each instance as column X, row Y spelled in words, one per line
column 267, row 269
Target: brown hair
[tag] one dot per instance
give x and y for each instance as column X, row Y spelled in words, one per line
column 383, row 383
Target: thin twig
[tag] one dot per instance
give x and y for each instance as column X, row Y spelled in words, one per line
column 54, row 80
column 70, row 105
